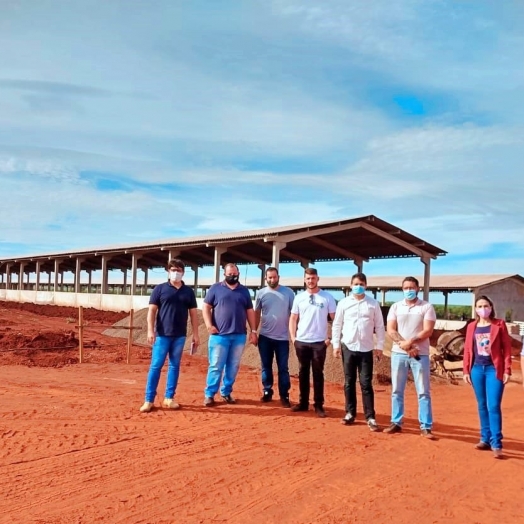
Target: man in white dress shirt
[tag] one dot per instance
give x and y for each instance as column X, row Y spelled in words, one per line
column 357, row 318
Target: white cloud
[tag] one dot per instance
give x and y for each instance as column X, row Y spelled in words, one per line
column 182, row 106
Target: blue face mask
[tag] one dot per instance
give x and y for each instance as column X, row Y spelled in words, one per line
column 358, row 290
column 410, row 294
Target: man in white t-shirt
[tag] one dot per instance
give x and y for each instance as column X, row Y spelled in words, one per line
column 308, row 328
column 410, row 323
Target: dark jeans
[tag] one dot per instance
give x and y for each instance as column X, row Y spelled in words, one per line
column 362, row 363
column 311, row 355
column 269, row 347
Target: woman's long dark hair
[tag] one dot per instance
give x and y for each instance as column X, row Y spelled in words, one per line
column 489, row 301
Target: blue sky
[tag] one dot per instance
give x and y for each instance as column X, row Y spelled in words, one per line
column 123, row 121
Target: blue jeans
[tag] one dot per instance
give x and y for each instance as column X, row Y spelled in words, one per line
column 224, row 353
column 400, row 365
column 269, row 347
column 488, row 390
column 163, row 347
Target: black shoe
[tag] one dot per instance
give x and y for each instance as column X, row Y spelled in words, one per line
column 319, row 410
column 299, row 407
column 393, row 428
column 427, row 434
column 228, row 399
column 285, row 402
column 267, row 397
column 348, row 420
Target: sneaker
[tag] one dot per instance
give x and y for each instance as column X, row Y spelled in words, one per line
column 267, row 397
column 497, row 453
column 372, row 425
column 393, row 428
column 348, row 419
column 427, row 434
column 169, row 403
column 285, row 402
column 209, row 401
column 228, row 399
column 299, row 407
column 146, row 407
column 482, row 446
column 319, row 410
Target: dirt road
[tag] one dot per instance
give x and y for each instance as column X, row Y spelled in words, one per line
column 75, row 449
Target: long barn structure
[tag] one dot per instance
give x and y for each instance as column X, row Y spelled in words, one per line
column 358, row 240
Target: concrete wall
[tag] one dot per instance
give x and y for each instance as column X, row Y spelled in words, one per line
column 505, row 296
column 98, row 301
column 95, row 300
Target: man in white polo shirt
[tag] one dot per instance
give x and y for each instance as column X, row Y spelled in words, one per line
column 410, row 323
column 308, row 328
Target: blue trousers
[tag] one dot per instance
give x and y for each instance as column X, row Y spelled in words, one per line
column 488, row 390
column 269, row 348
column 224, row 353
column 400, row 365
column 163, row 347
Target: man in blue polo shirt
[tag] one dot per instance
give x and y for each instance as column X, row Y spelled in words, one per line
column 170, row 305
column 226, row 309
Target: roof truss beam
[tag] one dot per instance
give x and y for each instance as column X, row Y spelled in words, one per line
column 337, row 249
column 406, row 245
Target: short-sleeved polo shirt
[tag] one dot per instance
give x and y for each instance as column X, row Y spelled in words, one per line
column 313, row 310
column 275, row 305
column 410, row 321
column 230, row 307
column 173, row 308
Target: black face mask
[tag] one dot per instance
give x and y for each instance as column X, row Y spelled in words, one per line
column 232, row 279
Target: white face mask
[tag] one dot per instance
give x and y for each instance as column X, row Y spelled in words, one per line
column 175, row 276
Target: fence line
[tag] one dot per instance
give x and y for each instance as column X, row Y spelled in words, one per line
column 82, row 327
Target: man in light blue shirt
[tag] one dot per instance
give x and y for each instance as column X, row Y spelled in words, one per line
column 273, row 306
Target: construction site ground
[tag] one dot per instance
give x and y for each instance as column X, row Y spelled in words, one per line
column 75, row 449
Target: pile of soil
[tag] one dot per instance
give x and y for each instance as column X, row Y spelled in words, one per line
column 49, row 310
column 11, row 340
column 42, row 349
column 332, row 370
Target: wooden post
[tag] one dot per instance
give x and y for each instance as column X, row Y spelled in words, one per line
column 80, row 334
column 130, row 336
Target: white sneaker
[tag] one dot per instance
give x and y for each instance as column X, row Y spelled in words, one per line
column 169, row 403
column 146, row 407
column 372, row 425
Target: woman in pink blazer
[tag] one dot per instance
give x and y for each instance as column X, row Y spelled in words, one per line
column 487, row 367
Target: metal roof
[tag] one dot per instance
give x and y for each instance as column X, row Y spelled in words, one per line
column 364, row 238
column 438, row 283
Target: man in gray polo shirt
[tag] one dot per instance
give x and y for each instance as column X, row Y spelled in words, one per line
column 273, row 305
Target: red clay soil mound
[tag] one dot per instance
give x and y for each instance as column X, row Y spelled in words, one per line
column 43, row 349
column 60, row 340
column 49, row 310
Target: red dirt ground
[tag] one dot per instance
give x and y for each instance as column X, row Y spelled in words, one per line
column 75, row 449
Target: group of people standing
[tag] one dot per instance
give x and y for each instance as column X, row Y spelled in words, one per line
column 279, row 317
